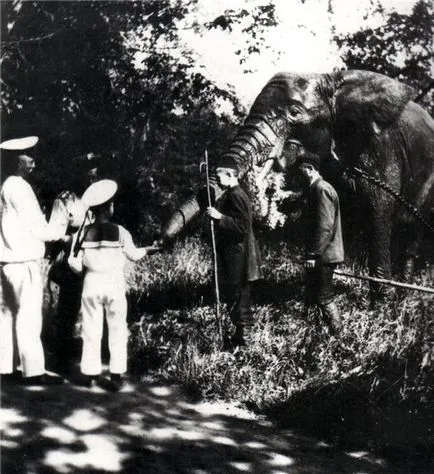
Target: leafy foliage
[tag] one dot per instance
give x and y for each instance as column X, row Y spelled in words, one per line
column 116, row 78
column 401, row 48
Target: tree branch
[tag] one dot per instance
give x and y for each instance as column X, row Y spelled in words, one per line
column 424, row 91
column 32, row 40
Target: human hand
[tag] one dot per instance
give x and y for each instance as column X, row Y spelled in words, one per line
column 66, row 239
column 310, row 263
column 151, row 249
column 213, row 213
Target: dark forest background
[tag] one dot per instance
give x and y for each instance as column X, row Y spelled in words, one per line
column 69, row 75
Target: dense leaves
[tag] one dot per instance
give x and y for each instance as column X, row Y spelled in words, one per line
column 401, row 48
column 118, row 78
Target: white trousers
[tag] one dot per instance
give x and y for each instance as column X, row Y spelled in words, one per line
column 97, row 300
column 22, row 294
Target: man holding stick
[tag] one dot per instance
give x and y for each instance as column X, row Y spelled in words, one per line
column 238, row 258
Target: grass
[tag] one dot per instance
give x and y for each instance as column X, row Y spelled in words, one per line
column 173, row 332
column 381, row 364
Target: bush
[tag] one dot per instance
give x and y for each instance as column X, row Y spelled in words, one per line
column 174, row 334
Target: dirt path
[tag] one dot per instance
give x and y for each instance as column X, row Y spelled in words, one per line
column 149, row 428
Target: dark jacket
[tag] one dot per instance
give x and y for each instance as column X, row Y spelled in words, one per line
column 323, row 224
column 239, row 259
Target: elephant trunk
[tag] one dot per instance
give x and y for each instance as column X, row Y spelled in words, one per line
column 182, row 216
column 256, row 142
column 254, row 145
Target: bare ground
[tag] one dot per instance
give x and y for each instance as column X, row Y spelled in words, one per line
column 150, row 428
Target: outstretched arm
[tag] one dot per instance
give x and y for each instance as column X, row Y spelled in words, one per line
column 131, row 251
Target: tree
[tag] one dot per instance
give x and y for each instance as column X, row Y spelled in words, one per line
column 402, row 48
column 70, row 75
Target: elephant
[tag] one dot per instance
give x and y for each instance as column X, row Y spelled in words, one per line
column 363, row 124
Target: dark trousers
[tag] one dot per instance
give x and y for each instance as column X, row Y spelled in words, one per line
column 319, row 284
column 68, row 308
column 237, row 298
column 319, row 291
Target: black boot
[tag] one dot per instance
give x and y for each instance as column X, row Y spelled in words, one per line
column 116, row 383
column 238, row 337
column 332, row 317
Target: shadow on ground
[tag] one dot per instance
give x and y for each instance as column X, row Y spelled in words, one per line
column 349, row 415
column 149, row 428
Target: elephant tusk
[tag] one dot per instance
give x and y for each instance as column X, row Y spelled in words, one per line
column 332, row 150
column 265, row 171
column 276, row 152
column 334, row 155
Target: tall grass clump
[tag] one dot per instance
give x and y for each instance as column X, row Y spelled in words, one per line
column 180, row 277
column 382, row 358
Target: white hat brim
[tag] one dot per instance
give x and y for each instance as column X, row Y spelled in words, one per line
column 19, row 143
column 100, row 192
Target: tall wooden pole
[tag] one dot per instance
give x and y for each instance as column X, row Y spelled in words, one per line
column 214, row 253
column 384, row 281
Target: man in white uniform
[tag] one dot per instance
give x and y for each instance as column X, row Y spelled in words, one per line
column 23, row 233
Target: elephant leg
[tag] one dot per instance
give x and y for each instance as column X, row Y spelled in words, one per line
column 379, row 251
column 410, row 254
column 406, row 245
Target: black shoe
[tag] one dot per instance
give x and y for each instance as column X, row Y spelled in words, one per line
column 10, row 379
column 87, row 381
column 115, row 383
column 238, row 339
column 44, row 379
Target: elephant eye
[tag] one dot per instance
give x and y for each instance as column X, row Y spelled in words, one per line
column 295, row 110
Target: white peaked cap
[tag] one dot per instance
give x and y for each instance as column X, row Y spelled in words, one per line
column 19, row 143
column 99, row 192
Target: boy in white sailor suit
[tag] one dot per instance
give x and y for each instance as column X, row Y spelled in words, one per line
column 101, row 256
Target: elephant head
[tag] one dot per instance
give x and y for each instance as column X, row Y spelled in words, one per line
column 353, row 118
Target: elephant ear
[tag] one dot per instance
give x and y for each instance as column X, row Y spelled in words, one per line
column 365, row 95
column 365, row 104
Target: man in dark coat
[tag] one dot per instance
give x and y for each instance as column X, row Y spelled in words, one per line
column 238, row 257
column 324, row 245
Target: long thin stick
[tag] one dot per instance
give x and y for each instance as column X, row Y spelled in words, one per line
column 214, row 252
column 79, row 242
column 386, row 282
